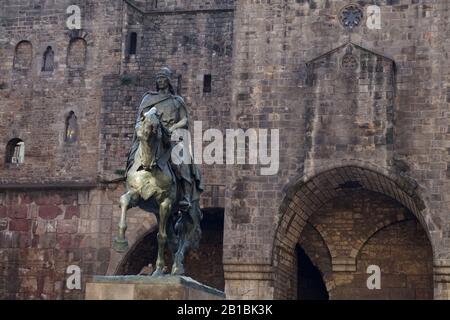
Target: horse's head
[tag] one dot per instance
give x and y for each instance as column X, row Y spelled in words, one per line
column 149, row 126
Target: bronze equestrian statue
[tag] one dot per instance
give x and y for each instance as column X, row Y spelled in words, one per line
column 155, row 183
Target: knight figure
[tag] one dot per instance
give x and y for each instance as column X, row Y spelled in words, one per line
column 172, row 111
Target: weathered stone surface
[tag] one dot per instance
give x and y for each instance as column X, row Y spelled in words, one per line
column 49, row 212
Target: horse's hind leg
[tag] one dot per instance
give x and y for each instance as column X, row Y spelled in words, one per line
column 182, row 225
column 164, row 212
column 120, row 242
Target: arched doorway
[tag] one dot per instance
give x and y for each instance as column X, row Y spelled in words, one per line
column 363, row 229
column 204, row 265
column 348, row 207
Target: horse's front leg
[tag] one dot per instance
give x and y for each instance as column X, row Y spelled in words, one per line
column 120, row 242
column 164, row 212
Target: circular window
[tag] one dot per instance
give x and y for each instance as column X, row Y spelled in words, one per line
column 351, row 16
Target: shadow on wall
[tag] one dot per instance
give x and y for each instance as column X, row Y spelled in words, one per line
column 310, row 282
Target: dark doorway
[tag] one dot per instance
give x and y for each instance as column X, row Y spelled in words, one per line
column 207, row 83
column 132, row 46
column 204, row 265
column 310, row 285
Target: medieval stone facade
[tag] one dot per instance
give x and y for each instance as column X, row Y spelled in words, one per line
column 362, row 114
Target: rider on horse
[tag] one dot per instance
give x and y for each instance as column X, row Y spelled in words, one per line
column 173, row 115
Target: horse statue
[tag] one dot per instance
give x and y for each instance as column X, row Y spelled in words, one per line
column 152, row 185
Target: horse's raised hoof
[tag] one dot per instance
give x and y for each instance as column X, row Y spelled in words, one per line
column 120, row 245
column 177, row 270
column 159, row 272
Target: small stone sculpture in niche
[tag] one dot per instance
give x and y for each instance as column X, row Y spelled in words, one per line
column 71, row 133
column 48, row 63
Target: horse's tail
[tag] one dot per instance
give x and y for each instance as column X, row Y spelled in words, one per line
column 196, row 231
column 188, row 227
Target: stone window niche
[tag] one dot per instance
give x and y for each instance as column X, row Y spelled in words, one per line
column 15, row 151
column 76, row 58
column 207, row 83
column 49, row 60
column 71, row 128
column 132, row 43
column 23, row 55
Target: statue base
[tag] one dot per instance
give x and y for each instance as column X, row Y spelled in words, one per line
column 149, row 288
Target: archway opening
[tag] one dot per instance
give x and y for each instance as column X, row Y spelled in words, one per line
column 346, row 206
column 76, row 58
column 15, row 151
column 23, row 55
column 204, row 265
column 310, row 284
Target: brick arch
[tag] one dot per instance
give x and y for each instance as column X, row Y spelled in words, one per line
column 140, row 236
column 305, row 197
column 77, row 53
column 360, row 243
column 80, row 34
column 323, row 267
column 146, row 224
column 374, row 232
column 23, row 55
column 77, row 50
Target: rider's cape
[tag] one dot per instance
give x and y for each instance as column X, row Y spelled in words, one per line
column 149, row 100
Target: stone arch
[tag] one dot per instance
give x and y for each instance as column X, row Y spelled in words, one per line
column 321, row 262
column 122, row 267
column 23, row 55
column 48, row 63
column 71, row 128
column 15, row 151
column 77, row 53
column 136, row 232
column 409, row 275
column 307, row 195
column 359, row 243
column 375, row 229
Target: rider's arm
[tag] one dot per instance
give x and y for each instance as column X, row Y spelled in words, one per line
column 184, row 120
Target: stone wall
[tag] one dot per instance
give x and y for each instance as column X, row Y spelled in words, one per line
column 169, row 5
column 36, row 103
column 401, row 130
column 44, row 232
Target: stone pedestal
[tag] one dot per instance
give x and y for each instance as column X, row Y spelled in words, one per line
column 149, row 288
